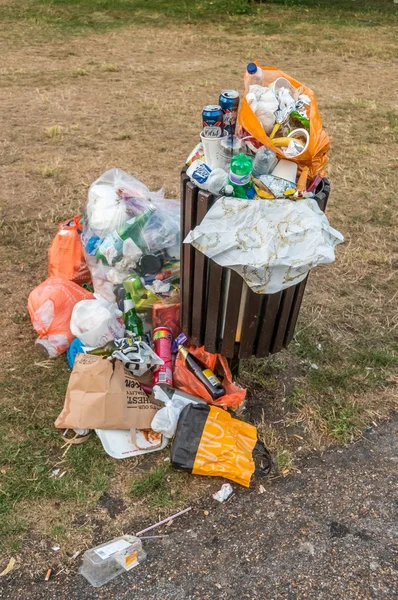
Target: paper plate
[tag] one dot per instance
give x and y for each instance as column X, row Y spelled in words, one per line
column 117, row 442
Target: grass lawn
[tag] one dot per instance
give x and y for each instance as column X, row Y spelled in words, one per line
column 91, row 84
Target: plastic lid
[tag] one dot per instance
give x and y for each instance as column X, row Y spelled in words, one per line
column 229, row 190
column 250, row 193
column 150, row 264
column 251, row 68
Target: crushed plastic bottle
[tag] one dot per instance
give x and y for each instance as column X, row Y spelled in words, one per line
column 264, row 162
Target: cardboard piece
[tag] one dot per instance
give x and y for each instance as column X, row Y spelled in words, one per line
column 104, row 395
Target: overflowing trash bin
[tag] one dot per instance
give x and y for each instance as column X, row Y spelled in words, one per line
column 219, row 311
column 149, row 296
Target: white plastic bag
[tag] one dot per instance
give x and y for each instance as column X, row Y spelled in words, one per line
column 263, row 103
column 97, row 321
column 166, row 419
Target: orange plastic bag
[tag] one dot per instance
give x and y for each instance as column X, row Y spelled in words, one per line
column 66, row 256
column 315, row 156
column 50, row 307
column 186, row 381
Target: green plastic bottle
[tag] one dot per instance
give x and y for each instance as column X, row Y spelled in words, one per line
column 240, row 175
column 131, row 229
column 132, row 321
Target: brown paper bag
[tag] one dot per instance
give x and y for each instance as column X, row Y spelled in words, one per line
column 103, row 395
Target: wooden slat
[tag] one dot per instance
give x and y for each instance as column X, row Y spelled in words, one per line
column 231, row 315
column 270, row 311
column 298, row 297
column 187, row 274
column 183, row 182
column 282, row 319
column 200, row 282
column 251, row 321
column 214, row 287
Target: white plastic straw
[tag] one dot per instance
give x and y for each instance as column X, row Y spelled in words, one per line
column 182, row 512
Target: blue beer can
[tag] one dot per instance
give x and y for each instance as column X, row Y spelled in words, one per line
column 212, row 117
column 229, row 102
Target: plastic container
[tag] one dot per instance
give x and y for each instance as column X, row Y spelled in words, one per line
column 106, row 561
column 286, row 169
column 118, row 443
column 230, row 146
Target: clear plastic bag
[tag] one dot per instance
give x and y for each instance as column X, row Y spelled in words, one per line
column 128, row 229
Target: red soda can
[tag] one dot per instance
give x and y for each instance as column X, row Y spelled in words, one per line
column 162, row 340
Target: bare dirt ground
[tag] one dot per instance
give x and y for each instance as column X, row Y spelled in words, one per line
column 132, row 98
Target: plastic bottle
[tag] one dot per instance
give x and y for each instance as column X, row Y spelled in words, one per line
column 240, row 174
column 264, row 162
column 201, row 372
column 131, row 320
column 111, row 249
column 254, row 75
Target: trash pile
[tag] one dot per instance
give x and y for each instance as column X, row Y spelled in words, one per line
column 266, row 163
column 111, row 301
column 277, row 148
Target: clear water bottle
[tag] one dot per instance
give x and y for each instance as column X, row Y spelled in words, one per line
column 264, row 162
column 254, row 75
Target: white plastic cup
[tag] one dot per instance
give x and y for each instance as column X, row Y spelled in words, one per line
column 211, row 148
column 300, row 134
column 286, row 169
column 279, row 83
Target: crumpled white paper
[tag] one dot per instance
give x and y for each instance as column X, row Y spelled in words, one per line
column 272, row 244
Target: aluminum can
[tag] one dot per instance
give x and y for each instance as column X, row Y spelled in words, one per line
column 162, row 340
column 212, row 117
column 229, row 102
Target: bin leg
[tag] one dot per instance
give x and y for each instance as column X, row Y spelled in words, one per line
column 234, row 365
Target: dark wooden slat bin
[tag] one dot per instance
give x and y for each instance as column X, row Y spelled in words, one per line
column 219, row 310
